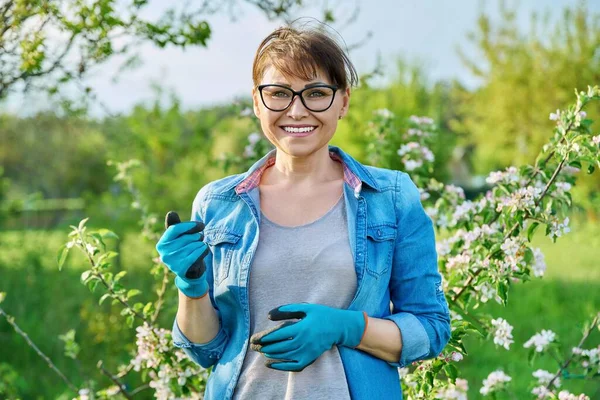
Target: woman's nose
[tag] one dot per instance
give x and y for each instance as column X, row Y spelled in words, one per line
column 297, row 109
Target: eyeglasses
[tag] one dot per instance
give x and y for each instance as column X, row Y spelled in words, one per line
column 315, row 98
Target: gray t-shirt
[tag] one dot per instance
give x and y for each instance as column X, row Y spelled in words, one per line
column 309, row 263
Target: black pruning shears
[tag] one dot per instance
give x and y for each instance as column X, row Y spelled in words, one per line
column 198, row 267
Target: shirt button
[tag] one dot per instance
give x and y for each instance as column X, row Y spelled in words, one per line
column 359, row 253
column 379, row 232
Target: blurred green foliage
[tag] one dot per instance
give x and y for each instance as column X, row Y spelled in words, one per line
column 524, row 77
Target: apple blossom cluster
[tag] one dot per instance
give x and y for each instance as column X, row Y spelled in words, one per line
column 456, row 391
column 495, row 382
column 414, row 155
column 541, row 341
column 154, row 349
column 588, row 359
column 502, row 333
column 249, row 150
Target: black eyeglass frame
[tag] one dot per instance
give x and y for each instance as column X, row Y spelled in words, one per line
column 298, row 93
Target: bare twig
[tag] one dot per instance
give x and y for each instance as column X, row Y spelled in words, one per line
column 113, row 378
column 161, row 294
column 139, row 389
column 37, row 350
column 583, row 339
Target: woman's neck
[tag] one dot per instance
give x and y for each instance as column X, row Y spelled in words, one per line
column 306, row 172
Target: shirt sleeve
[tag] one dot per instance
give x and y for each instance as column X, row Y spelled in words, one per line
column 420, row 309
column 204, row 354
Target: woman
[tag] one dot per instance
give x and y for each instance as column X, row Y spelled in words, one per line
column 329, row 243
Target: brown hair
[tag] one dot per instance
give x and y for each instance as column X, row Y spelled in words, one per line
column 301, row 52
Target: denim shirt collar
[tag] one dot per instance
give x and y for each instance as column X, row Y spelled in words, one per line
column 355, row 174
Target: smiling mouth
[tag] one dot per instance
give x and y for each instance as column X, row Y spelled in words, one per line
column 299, row 132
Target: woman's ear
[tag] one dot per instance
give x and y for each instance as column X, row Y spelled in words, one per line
column 345, row 103
column 256, row 102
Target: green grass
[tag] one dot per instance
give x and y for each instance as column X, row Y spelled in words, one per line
column 47, row 303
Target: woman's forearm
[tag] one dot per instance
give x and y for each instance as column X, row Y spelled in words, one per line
column 197, row 319
column 382, row 340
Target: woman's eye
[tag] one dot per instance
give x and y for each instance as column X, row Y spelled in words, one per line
column 280, row 94
column 318, row 93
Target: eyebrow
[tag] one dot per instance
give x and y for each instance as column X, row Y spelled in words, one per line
column 307, row 85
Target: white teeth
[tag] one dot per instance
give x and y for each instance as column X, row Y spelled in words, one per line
column 298, row 130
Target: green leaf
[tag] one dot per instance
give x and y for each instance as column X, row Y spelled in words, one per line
column 85, row 275
column 133, row 292
column 502, row 289
column 63, row 252
column 451, row 372
column 148, row 308
column 92, row 284
column 120, row 275
column 429, row 377
column 2, row 296
column 576, row 164
column 130, row 321
column 104, row 297
column 531, row 230
column 108, row 234
column 82, row 223
column 531, row 357
column 528, row 256
column 99, row 239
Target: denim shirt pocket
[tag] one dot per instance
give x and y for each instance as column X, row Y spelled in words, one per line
column 380, row 241
column 221, row 243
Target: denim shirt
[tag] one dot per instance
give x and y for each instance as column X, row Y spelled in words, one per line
column 393, row 246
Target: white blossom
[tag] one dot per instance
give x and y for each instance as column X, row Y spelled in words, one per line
column 385, row 113
column 539, row 263
column 249, row 151
column 502, row 333
column 557, row 229
column 403, row 372
column 421, row 120
column 596, row 139
column 563, row 187
column 521, row 199
column 555, row 116
column 411, row 165
column 544, row 377
column 456, row 356
column 84, row 394
column 253, row 138
column 246, row 112
column 487, row 292
column 495, row 381
column 565, row 395
column 454, row 392
column 460, row 261
column 541, row 340
column 510, row 175
column 541, row 392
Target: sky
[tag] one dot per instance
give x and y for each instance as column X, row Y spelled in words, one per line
column 424, row 31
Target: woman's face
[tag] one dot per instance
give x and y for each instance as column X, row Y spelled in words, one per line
column 273, row 123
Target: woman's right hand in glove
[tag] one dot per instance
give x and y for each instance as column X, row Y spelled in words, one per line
column 179, row 248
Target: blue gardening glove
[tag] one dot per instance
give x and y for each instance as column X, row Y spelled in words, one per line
column 180, row 248
column 296, row 345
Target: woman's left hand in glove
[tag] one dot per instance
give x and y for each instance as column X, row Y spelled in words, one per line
column 292, row 346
